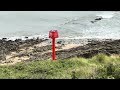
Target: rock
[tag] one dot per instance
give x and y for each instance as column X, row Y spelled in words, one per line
column 4, row 39
column 99, row 18
column 94, row 47
column 26, row 37
column 59, row 42
column 2, row 57
column 42, row 49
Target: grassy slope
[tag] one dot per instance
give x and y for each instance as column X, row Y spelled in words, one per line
column 98, row 67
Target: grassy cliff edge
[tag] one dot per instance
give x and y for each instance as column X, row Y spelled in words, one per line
column 97, row 67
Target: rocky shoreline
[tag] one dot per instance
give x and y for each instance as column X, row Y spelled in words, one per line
column 38, row 49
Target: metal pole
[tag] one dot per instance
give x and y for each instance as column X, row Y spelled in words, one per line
column 53, row 49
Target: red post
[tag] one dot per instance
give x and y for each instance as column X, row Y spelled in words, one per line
column 53, row 49
column 53, row 34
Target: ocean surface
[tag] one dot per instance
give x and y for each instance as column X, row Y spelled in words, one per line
column 70, row 24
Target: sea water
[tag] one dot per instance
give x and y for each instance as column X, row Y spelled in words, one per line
column 70, row 24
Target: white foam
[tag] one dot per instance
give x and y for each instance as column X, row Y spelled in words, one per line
column 108, row 28
column 106, row 14
column 23, row 37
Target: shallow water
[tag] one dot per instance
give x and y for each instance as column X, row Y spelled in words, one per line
column 74, row 24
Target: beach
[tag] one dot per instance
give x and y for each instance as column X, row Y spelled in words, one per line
column 34, row 49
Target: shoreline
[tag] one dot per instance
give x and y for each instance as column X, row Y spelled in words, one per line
column 40, row 49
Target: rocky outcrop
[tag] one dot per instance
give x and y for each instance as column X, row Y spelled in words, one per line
column 91, row 49
column 107, row 47
column 7, row 46
column 97, row 19
column 22, row 49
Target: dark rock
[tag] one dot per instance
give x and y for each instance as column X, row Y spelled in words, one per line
column 59, row 42
column 99, row 18
column 26, row 37
column 94, row 47
column 4, row 39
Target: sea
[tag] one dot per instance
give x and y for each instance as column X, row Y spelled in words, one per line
column 70, row 24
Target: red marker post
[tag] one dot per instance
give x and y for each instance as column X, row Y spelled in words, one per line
column 53, row 34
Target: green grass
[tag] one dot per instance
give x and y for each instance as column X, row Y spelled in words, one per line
column 97, row 67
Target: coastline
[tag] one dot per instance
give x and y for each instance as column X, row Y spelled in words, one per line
column 40, row 49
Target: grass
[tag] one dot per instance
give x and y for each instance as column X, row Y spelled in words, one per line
column 97, row 67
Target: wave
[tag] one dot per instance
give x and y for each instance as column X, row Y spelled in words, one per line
column 78, row 27
column 107, row 14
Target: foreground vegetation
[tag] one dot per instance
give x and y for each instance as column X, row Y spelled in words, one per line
column 97, row 67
